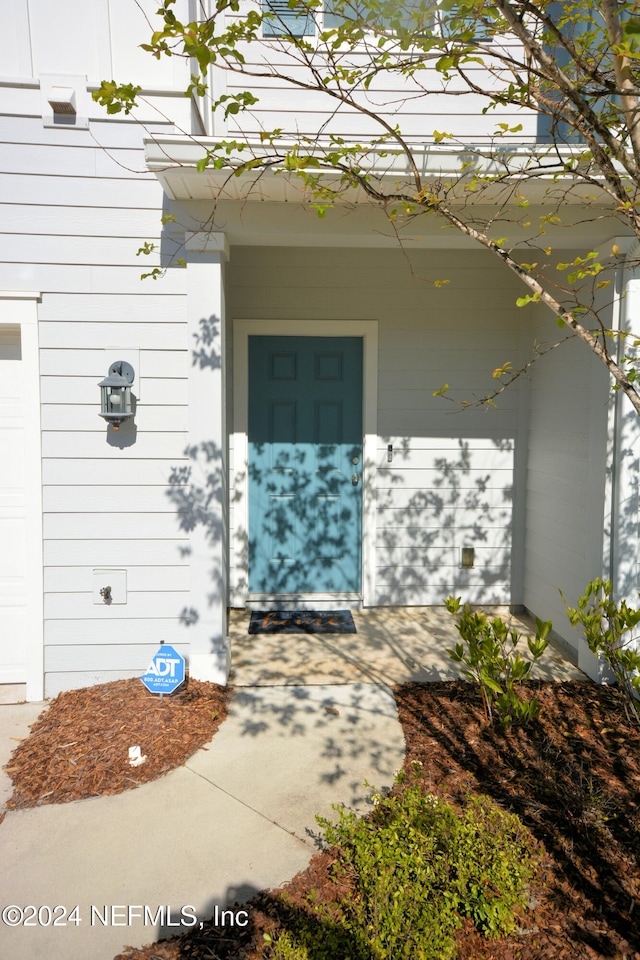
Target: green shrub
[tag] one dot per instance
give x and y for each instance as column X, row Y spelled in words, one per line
column 607, row 627
column 492, row 852
column 489, row 653
column 324, row 942
column 414, row 869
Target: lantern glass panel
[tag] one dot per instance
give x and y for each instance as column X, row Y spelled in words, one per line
column 115, row 394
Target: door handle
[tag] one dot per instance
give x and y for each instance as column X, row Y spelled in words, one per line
column 355, row 479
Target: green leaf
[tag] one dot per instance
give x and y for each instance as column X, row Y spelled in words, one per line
column 490, row 683
column 543, row 628
column 453, row 603
column 154, row 274
column 529, row 298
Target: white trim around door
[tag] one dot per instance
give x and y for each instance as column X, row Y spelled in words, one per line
column 239, row 452
column 21, row 308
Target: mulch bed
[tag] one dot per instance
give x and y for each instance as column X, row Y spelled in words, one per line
column 79, row 746
column 573, row 777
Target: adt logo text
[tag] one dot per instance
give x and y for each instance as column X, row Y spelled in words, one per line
column 166, row 671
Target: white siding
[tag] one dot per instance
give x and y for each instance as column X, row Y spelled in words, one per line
column 451, row 482
column 290, row 107
column 36, row 39
column 77, row 205
column 16, row 45
column 566, row 478
column 437, row 496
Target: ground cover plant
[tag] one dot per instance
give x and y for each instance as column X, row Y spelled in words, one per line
column 413, row 870
column 572, row 777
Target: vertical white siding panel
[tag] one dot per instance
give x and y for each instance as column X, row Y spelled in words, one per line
column 566, row 478
column 55, row 37
column 15, row 42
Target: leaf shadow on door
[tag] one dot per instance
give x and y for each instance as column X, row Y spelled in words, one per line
column 302, row 540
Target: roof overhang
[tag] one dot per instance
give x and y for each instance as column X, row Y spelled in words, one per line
column 542, row 167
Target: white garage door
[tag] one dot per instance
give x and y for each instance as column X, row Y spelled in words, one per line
column 12, row 510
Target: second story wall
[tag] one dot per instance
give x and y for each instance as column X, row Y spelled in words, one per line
column 419, row 105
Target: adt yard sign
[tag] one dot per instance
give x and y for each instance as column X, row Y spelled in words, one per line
column 165, row 673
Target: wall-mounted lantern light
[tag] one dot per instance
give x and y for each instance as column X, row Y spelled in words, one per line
column 115, row 393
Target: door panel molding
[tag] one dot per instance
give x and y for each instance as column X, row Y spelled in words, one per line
column 242, row 330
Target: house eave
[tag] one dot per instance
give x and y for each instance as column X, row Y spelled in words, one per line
column 174, row 161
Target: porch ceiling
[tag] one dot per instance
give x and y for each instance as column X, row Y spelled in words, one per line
column 272, row 208
column 366, row 226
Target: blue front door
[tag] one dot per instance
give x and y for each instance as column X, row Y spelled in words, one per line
column 305, row 464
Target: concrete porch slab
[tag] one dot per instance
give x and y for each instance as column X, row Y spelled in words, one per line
column 392, row 645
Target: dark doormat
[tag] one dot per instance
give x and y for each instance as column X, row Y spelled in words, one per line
column 302, row 621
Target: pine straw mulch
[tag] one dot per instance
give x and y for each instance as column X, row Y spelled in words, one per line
column 573, row 778
column 79, row 746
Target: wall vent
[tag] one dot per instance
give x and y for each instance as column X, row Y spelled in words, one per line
column 62, row 100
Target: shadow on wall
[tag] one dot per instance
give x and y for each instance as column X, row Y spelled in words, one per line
column 623, row 473
column 197, row 486
column 429, row 508
column 433, row 506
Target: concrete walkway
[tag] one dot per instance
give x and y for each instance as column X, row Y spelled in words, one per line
column 238, row 818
